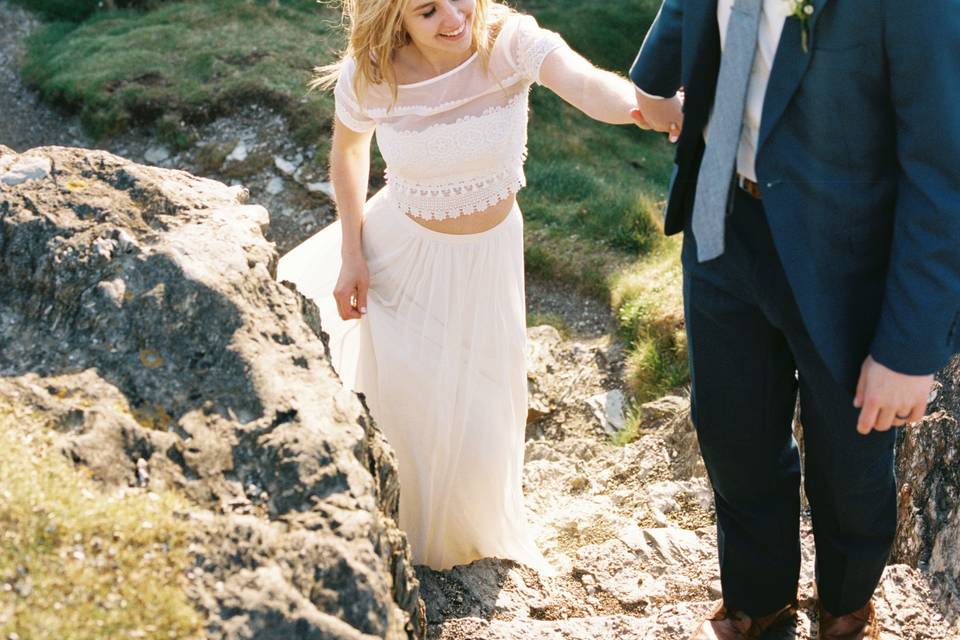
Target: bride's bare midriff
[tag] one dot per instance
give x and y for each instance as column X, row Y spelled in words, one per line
column 470, row 223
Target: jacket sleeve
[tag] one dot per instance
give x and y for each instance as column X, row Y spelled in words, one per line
column 656, row 69
column 917, row 330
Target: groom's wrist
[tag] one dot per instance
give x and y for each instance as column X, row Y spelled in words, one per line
column 650, row 95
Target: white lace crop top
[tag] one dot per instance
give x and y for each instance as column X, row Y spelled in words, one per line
column 455, row 144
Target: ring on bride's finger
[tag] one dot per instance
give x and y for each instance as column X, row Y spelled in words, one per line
column 900, row 417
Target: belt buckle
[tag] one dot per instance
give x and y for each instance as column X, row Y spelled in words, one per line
column 748, row 185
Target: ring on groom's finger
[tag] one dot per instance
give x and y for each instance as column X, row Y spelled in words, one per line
column 900, row 417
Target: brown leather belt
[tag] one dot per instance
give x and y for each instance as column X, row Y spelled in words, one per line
column 748, row 185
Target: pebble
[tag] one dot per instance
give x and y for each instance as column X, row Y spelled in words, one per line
column 320, row 187
column 284, row 165
column 156, row 155
column 27, row 168
column 239, row 153
column 275, row 185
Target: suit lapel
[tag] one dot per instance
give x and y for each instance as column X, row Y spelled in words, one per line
column 704, row 60
column 789, row 65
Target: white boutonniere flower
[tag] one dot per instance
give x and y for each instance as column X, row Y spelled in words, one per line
column 801, row 10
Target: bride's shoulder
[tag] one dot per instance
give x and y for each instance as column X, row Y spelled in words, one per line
column 523, row 42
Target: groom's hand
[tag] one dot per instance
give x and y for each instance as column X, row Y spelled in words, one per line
column 887, row 398
column 660, row 114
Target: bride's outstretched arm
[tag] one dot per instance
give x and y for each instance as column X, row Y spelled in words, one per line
column 349, row 173
column 600, row 94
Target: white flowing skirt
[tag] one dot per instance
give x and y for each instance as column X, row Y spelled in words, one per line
column 440, row 358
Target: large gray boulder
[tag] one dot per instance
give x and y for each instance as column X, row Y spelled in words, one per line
column 928, row 468
column 139, row 311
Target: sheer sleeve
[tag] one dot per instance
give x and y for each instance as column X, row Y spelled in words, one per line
column 348, row 107
column 530, row 44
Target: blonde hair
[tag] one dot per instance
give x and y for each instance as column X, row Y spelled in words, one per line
column 375, row 32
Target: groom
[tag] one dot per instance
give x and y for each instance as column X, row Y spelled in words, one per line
column 821, row 257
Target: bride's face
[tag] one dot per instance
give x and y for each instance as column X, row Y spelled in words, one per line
column 440, row 25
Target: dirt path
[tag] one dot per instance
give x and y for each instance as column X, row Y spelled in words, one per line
column 27, row 121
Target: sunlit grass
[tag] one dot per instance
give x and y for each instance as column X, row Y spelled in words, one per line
column 648, row 299
column 77, row 560
column 186, row 63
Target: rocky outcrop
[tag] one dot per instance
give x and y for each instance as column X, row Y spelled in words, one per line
column 928, row 468
column 139, row 312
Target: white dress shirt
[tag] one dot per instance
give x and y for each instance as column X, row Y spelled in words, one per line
column 773, row 15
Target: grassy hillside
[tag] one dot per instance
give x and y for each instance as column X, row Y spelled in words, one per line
column 595, row 191
column 187, row 62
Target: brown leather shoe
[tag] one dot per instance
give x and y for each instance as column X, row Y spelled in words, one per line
column 733, row 624
column 859, row 625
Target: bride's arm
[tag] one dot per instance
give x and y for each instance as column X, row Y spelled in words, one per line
column 350, row 173
column 600, row 94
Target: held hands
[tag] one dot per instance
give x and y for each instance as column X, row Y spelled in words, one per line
column 350, row 291
column 660, row 114
column 887, row 398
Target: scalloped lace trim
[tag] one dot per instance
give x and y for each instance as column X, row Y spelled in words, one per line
column 455, row 199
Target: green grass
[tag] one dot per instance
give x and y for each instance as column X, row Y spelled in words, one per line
column 555, row 320
column 99, row 565
column 595, row 197
column 186, row 63
column 604, row 182
column 647, row 297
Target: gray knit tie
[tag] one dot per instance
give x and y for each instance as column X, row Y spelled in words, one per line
column 716, row 170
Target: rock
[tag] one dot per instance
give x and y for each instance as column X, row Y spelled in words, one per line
column 140, row 315
column 608, row 408
column 656, row 412
column 239, row 153
column 542, row 342
column 156, row 154
column 284, row 165
column 26, row 167
column 664, row 548
column 275, row 185
column 321, row 187
column 928, row 471
column 6, row 161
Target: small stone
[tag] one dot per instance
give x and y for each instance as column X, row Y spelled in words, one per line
column 104, row 247
column 126, row 241
column 275, row 185
column 321, row 187
column 27, row 168
column 284, row 165
column 239, row 153
column 609, row 408
column 156, row 155
column 715, row 589
column 143, row 471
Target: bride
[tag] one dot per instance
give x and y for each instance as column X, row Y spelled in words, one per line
column 421, row 287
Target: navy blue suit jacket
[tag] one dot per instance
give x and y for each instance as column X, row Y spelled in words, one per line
column 858, row 163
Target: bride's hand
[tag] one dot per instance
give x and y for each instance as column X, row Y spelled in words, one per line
column 350, row 291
